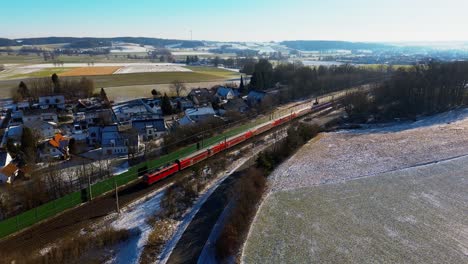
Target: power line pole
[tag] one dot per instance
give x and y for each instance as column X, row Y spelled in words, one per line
column 116, row 196
column 89, row 187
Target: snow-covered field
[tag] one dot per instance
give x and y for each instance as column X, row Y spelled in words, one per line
column 130, row 48
column 114, row 64
column 152, row 68
column 344, row 155
column 415, row 215
column 385, row 194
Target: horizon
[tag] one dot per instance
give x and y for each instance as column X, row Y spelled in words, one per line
column 209, row 20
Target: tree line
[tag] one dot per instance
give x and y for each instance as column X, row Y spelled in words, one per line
column 300, row 81
column 70, row 88
column 419, row 90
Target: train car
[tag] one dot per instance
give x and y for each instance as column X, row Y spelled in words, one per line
column 187, row 162
column 235, row 141
column 158, row 175
column 316, row 108
column 303, row 111
column 217, row 148
column 263, row 128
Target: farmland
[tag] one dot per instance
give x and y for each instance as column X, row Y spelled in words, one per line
column 161, row 74
column 386, row 194
column 409, row 216
column 122, row 93
column 91, row 71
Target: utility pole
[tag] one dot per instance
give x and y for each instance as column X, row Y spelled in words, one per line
column 116, row 197
column 89, row 187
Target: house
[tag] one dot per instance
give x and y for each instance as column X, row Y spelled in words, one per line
column 52, row 101
column 14, row 133
column 55, row 148
column 87, row 104
column 136, row 109
column 16, row 118
column 195, row 115
column 44, row 129
column 94, row 135
column 117, row 142
column 183, row 103
column 12, row 106
column 201, row 96
column 150, row 129
column 95, row 117
column 49, row 115
column 256, row 97
column 225, row 93
column 236, row 105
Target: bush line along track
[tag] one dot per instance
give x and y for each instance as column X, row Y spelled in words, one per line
column 187, row 156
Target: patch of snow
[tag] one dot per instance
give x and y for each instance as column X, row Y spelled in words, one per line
column 134, row 217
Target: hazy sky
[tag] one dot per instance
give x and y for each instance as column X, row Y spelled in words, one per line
column 242, row 20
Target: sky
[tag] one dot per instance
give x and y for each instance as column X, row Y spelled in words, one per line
column 240, row 20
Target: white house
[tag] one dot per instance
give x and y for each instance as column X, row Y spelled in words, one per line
column 195, row 115
column 52, row 101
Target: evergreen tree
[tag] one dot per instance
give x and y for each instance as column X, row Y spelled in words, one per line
column 29, row 144
column 103, row 95
column 23, row 90
column 56, row 82
column 166, row 106
column 242, row 86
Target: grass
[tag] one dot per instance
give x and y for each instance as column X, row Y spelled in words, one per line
column 147, row 78
column 200, row 74
column 415, row 216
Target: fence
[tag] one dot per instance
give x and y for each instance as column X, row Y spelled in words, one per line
column 52, row 208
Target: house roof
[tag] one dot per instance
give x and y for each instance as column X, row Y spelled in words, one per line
column 200, row 111
column 14, row 131
column 39, row 124
column 235, row 105
column 157, row 124
column 5, row 158
column 224, row 91
column 59, row 141
column 9, row 170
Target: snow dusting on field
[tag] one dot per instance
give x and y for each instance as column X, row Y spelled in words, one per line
column 357, row 153
column 393, row 193
column 152, row 68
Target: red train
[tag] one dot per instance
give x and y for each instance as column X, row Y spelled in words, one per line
column 192, row 159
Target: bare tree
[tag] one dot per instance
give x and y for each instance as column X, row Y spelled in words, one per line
column 178, row 86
